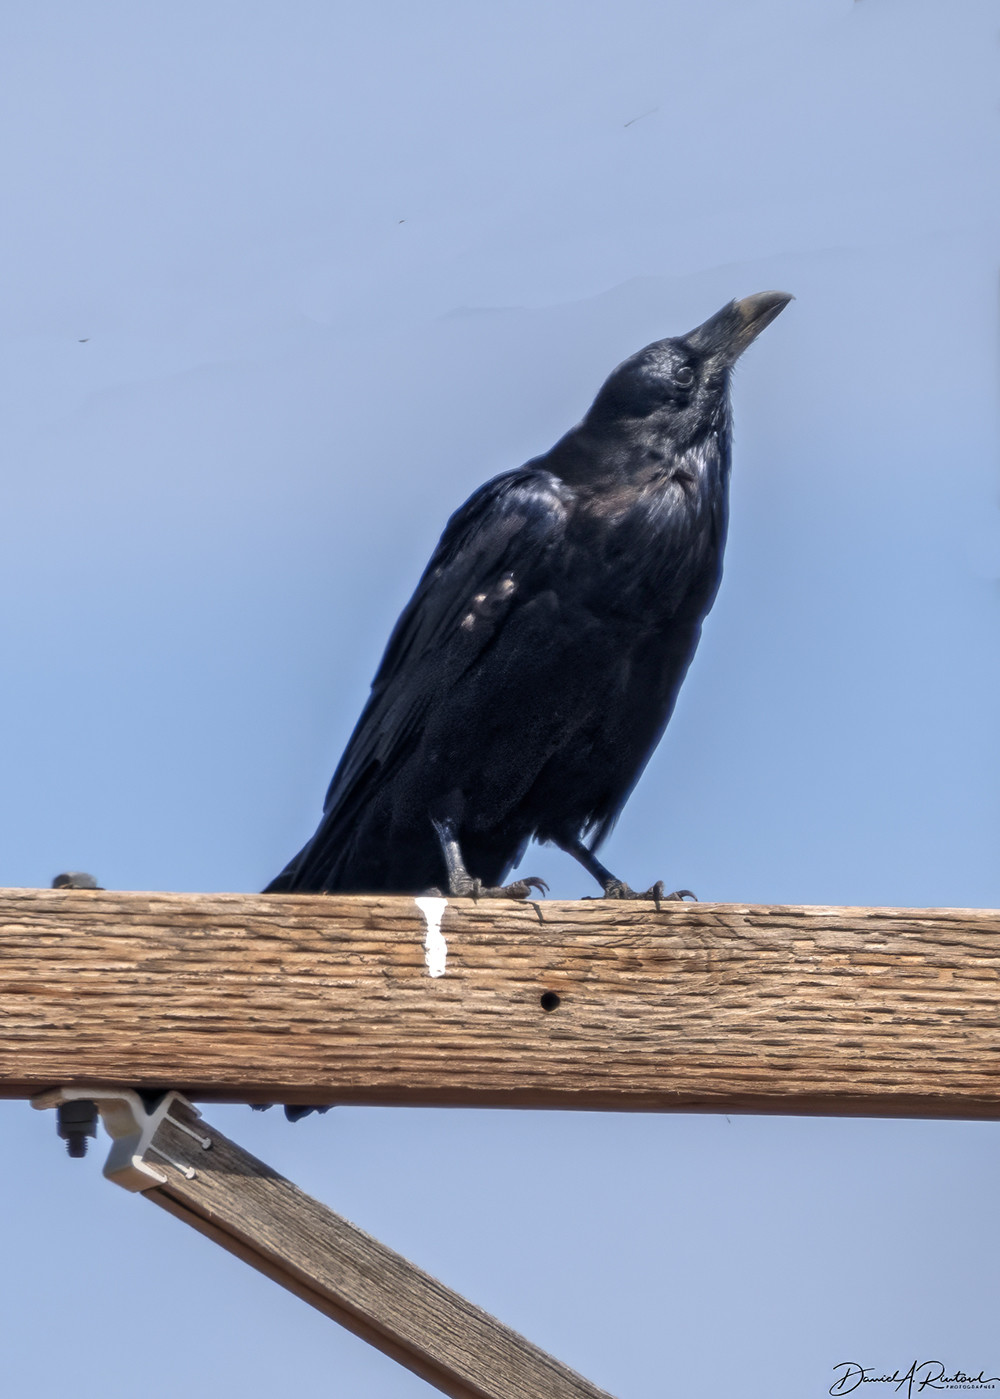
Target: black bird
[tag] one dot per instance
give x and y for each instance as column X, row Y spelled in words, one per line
column 534, row 669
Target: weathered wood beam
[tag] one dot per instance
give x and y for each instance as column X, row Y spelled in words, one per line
column 310, row 999
column 187, row 1167
column 173, row 1157
column 262, row 1218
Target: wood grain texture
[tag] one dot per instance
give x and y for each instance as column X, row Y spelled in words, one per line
column 250, row 1210
column 309, row 999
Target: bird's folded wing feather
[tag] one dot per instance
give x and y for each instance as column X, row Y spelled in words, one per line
column 487, row 562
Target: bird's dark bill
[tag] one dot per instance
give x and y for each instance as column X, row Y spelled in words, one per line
column 731, row 330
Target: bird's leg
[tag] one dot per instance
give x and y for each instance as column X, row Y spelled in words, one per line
column 460, row 882
column 615, row 888
column 462, row 885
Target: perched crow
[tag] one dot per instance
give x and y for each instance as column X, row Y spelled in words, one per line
column 532, row 673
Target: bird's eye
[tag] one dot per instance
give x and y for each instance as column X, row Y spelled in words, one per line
column 684, row 377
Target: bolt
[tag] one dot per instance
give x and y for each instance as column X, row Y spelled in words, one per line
column 75, row 1122
column 75, row 879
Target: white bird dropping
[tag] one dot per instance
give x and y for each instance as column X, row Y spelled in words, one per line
column 435, row 947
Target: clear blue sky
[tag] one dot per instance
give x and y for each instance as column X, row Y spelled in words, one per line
column 283, row 284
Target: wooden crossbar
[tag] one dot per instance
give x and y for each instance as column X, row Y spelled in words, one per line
column 311, row 999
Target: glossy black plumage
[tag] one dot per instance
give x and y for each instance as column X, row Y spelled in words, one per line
column 533, row 671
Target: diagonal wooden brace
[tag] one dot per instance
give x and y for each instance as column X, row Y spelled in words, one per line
column 172, row 1157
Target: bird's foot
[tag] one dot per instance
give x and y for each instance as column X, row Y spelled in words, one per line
column 520, row 889
column 469, row 888
column 618, row 889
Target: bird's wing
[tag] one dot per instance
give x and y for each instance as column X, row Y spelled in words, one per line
column 483, row 565
column 488, row 561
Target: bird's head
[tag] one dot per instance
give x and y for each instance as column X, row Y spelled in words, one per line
column 676, row 391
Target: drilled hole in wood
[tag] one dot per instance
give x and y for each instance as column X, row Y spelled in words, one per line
column 550, row 1000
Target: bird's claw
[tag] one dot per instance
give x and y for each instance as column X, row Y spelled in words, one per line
column 476, row 889
column 618, row 889
column 520, row 889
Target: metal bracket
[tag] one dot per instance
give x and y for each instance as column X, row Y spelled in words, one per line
column 133, row 1129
